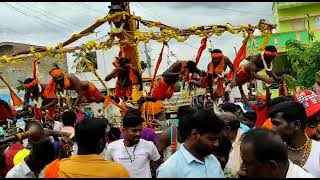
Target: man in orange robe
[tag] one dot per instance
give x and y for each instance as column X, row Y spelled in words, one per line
column 127, row 76
column 250, row 70
column 61, row 82
column 166, row 85
column 216, row 69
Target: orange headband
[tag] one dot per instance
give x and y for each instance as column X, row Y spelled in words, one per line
column 261, row 97
column 56, row 72
column 31, row 84
column 269, row 53
column 216, row 55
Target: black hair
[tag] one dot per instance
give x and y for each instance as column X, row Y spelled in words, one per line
column 267, row 145
column 123, row 61
column 292, row 111
column 183, row 128
column 89, row 132
column 69, row 118
column 131, row 120
column 185, row 111
column 224, row 147
column 252, row 116
column 279, row 99
column 215, row 51
column 229, row 107
column 114, row 134
column 230, row 120
column 28, row 80
column 271, row 48
column 205, row 121
column 42, row 152
column 192, row 66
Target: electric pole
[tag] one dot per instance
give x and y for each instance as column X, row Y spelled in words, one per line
column 148, row 59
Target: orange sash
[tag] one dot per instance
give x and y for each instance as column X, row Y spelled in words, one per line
column 50, row 90
column 216, row 70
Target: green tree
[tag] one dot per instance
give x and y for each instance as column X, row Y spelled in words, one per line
column 305, row 60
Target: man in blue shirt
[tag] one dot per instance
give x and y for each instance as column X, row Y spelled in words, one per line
column 194, row 158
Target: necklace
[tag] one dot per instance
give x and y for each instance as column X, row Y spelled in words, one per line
column 299, row 148
column 265, row 64
column 306, row 153
column 134, row 156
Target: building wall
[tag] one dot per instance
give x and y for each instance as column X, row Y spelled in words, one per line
column 12, row 73
column 104, row 65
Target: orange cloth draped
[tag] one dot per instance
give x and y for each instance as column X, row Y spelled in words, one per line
column 132, row 76
column 216, row 70
column 163, row 90
column 220, row 89
column 241, row 55
column 50, row 90
column 267, row 124
column 52, row 169
column 201, row 49
column 123, row 91
column 15, row 98
column 92, row 94
column 157, row 67
column 242, row 76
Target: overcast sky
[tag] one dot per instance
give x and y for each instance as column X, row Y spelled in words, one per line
column 48, row 23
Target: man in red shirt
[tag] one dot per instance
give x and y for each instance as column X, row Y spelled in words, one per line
column 262, row 107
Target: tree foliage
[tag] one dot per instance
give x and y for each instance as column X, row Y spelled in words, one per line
column 305, row 60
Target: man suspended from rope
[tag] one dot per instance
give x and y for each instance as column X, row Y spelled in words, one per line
column 61, row 82
column 127, row 76
column 166, row 85
column 34, row 91
column 261, row 61
column 216, row 69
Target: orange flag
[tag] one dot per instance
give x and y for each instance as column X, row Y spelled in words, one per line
column 241, row 55
column 15, row 98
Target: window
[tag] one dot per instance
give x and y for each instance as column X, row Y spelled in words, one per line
column 317, row 22
column 82, row 66
column 297, row 24
column 276, row 41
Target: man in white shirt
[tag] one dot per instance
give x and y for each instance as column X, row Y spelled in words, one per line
column 290, row 121
column 134, row 153
column 264, row 155
column 42, row 153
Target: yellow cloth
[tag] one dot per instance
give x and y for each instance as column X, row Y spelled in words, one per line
column 153, row 108
column 19, row 157
column 90, row 166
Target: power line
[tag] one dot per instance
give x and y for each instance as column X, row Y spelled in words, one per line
column 43, row 14
column 58, row 17
column 85, row 14
column 84, row 6
column 34, row 17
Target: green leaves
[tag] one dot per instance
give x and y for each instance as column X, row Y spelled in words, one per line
column 305, row 60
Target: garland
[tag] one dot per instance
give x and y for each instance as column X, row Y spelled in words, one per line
column 166, row 33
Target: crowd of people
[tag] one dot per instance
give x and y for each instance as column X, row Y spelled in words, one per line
column 278, row 138
column 205, row 144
